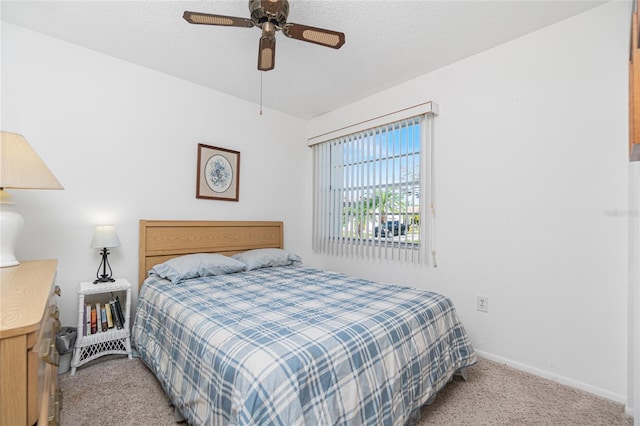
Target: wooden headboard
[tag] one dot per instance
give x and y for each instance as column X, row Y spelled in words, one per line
column 161, row 240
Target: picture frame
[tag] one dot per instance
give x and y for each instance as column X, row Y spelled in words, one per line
column 218, row 173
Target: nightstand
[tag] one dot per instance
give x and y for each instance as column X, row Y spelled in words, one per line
column 112, row 341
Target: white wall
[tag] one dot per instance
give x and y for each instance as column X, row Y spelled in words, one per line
column 531, row 170
column 531, row 153
column 122, row 139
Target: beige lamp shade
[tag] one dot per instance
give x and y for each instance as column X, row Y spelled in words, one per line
column 105, row 236
column 21, row 167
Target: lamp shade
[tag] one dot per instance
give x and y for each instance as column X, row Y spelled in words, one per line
column 105, row 236
column 21, row 167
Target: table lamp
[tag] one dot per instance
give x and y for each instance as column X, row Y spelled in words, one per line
column 20, row 168
column 104, row 238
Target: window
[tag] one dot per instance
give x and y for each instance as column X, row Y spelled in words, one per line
column 372, row 192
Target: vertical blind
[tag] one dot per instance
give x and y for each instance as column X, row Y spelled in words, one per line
column 373, row 193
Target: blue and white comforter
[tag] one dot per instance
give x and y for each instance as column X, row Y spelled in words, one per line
column 293, row 346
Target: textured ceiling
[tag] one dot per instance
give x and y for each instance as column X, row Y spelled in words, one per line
column 387, row 42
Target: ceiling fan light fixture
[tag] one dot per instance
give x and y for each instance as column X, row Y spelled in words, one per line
column 269, row 30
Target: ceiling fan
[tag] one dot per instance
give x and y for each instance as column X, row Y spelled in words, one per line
column 270, row 16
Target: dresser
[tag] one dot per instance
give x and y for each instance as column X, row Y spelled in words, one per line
column 29, row 391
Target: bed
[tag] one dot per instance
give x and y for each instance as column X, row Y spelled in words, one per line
column 283, row 343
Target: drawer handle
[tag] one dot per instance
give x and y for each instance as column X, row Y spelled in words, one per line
column 57, row 290
column 51, row 357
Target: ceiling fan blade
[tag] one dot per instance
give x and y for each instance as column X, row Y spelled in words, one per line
column 267, row 54
column 315, row 35
column 208, row 19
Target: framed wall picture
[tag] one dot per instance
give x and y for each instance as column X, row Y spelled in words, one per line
column 218, row 173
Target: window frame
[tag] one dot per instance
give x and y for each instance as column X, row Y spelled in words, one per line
column 330, row 201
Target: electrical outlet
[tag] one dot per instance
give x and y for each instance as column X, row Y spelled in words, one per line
column 482, row 304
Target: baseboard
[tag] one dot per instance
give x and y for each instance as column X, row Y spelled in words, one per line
column 557, row 378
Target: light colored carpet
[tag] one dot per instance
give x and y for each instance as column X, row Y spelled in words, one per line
column 117, row 391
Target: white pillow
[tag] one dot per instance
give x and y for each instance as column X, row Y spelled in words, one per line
column 196, row 265
column 264, row 258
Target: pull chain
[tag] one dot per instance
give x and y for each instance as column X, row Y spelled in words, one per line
column 261, row 72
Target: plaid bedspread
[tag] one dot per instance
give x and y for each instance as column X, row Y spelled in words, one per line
column 293, row 346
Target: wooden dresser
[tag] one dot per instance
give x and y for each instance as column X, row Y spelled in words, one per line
column 29, row 391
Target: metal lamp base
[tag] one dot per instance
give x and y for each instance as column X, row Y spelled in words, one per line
column 104, row 264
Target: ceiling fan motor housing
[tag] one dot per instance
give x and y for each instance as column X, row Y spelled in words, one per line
column 275, row 11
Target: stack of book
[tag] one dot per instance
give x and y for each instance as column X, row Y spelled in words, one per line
column 101, row 317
